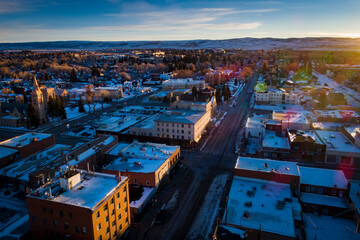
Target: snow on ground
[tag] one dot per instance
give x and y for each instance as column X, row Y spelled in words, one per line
column 73, row 113
column 172, row 202
column 86, row 131
column 204, row 222
column 327, row 227
column 16, row 229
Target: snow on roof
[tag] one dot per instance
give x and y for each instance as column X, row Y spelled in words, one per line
column 323, row 200
column 4, row 152
column 91, row 190
column 355, row 193
column 336, row 113
column 144, row 197
column 182, row 81
column 181, row 116
column 323, row 177
column 258, row 164
column 271, row 140
column 255, row 123
column 290, row 116
column 135, row 164
column 336, row 141
column 353, row 130
column 264, row 198
column 25, row 139
column 117, row 149
column 304, row 136
column 326, row 125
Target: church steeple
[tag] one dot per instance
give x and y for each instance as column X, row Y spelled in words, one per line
column 35, row 85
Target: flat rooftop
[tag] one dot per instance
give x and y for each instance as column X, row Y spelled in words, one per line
column 323, row 200
column 140, row 165
column 143, row 150
column 353, row 130
column 323, row 177
column 4, row 152
column 336, row 141
column 304, row 136
column 181, row 116
column 90, row 191
column 25, row 139
column 271, row 140
column 336, row 113
column 255, row 122
column 263, row 210
column 258, row 164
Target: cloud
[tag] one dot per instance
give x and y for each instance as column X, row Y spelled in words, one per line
column 11, row 7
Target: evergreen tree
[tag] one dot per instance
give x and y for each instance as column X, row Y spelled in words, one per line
column 95, row 72
column 59, row 109
column 51, row 107
column 218, row 96
column 81, row 106
column 33, row 116
column 73, row 76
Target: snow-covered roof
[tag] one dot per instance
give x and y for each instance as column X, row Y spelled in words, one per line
column 255, row 122
column 181, row 116
column 25, row 139
column 339, row 114
column 4, row 152
column 323, row 200
column 259, row 164
column 271, row 140
column 182, row 81
column 264, row 203
column 336, row 141
column 323, row 177
column 304, row 136
column 142, row 165
column 352, row 130
column 91, row 190
column 355, row 193
column 144, row 197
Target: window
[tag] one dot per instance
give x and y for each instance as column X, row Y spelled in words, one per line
column 55, row 223
column 51, row 211
column 113, row 223
column 97, row 214
column 341, row 193
column 77, row 228
column 107, row 219
column 182, row 131
column 66, row 226
column 107, row 230
column 120, row 227
column 44, row 209
column 126, row 209
column 98, row 227
column 124, row 189
column 113, row 212
column 61, row 213
column 118, row 206
column 105, row 207
column 333, row 192
column 134, row 179
column 312, row 189
column 100, row 237
column 125, row 199
column 189, row 132
column 112, row 201
column 44, row 221
column 84, row 230
column 70, row 215
column 296, row 147
column 34, row 219
column 114, row 234
column 117, row 195
column 127, row 220
column 182, row 125
column 147, row 183
column 119, row 216
column 320, row 190
column 307, row 189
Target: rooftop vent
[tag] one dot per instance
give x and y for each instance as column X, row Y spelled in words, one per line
column 137, row 163
column 248, row 204
column 246, row 214
column 280, row 204
column 250, row 193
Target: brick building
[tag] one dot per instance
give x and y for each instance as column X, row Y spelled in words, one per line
column 7, row 156
column 80, row 205
column 29, row 143
column 144, row 163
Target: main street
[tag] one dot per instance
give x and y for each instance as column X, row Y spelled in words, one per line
column 206, row 162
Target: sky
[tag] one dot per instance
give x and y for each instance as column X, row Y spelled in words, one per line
column 124, row 20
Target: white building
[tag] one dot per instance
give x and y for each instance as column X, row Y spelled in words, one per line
column 189, row 83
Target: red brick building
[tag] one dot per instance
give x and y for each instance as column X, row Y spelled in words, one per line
column 7, row 156
column 80, row 205
column 29, row 143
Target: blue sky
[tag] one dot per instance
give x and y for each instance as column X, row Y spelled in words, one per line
column 118, row 20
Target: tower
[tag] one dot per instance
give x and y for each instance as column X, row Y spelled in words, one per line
column 37, row 101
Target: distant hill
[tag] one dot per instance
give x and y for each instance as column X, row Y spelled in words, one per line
column 244, row 43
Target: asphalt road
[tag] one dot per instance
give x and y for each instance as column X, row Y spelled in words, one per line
column 207, row 161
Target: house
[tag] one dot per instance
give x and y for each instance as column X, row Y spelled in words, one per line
column 80, row 205
column 189, row 83
column 352, row 133
column 295, row 120
column 323, row 190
